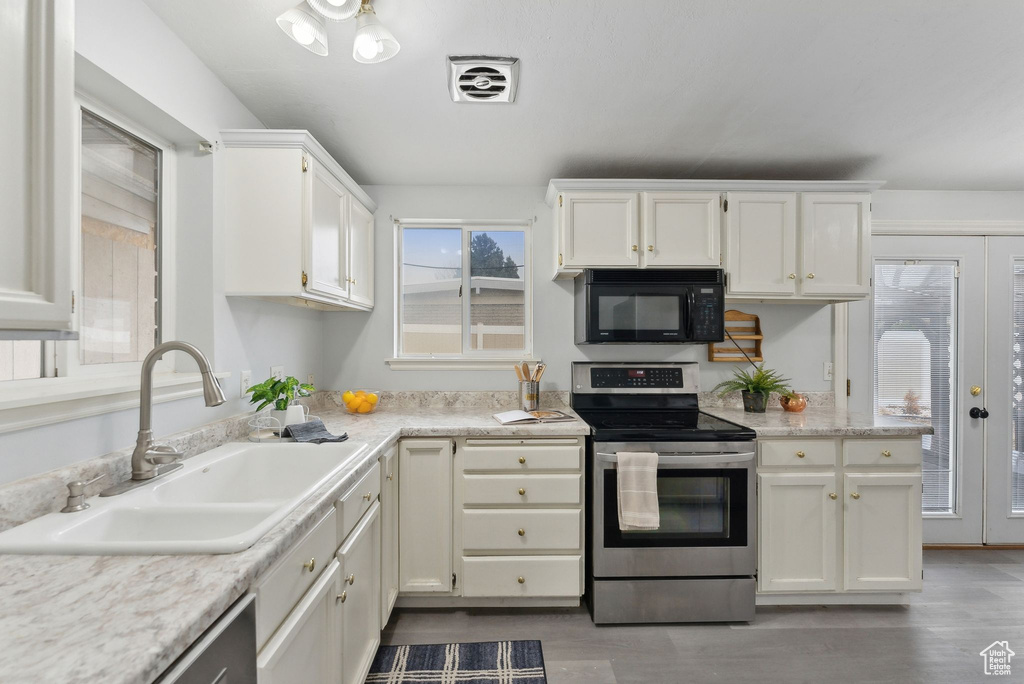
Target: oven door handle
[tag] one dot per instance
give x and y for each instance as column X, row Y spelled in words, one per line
column 672, row 459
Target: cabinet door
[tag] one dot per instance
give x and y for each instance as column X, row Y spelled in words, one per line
column 882, row 533
column 360, row 229
column 835, row 251
column 306, row 646
column 425, row 515
column 681, row 229
column 327, row 260
column 760, row 243
column 798, row 521
column 388, row 534
column 600, row 228
column 360, row 597
column 37, row 162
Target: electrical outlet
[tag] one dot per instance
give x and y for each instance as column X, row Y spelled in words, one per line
column 246, row 383
column 277, row 372
column 309, row 379
column 827, row 370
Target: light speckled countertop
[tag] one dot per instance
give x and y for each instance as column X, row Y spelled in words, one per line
column 820, row 422
column 125, row 619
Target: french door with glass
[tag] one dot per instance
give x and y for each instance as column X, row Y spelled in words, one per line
column 942, row 341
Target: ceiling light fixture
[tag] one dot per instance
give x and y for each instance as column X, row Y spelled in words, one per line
column 305, row 28
column 373, row 43
column 336, row 10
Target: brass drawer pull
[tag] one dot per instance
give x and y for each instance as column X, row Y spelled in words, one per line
column 522, row 459
column 351, row 579
column 521, row 579
column 310, row 564
column 522, row 532
column 792, row 276
column 391, row 476
column 522, row 492
column 650, row 248
column 800, row 454
column 832, row 495
column 887, row 453
column 634, row 248
column 811, row 276
column 368, row 495
column 855, row 495
column 342, row 596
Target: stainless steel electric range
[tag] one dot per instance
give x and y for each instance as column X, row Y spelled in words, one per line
column 699, row 565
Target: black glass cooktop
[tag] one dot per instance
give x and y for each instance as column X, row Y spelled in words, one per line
column 679, row 425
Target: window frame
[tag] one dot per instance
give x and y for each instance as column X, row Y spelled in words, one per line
column 468, row 358
column 67, row 356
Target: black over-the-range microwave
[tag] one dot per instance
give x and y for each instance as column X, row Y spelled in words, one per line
column 678, row 306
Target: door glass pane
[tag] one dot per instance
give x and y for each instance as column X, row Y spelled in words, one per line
column 497, row 297
column 431, row 284
column 120, row 241
column 915, row 364
column 1017, row 387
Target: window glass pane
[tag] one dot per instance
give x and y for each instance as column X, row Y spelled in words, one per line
column 1017, row 399
column 497, row 300
column 120, row 174
column 431, row 280
column 20, row 360
column 915, row 364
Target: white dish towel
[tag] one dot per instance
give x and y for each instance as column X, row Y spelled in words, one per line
column 638, row 491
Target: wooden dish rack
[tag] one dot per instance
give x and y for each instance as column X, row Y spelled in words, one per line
column 745, row 331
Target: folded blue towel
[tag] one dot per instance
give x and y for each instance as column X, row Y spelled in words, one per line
column 312, row 431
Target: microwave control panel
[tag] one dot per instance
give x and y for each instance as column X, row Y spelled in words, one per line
column 707, row 314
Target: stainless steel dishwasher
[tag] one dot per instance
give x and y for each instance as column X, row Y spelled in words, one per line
column 224, row 654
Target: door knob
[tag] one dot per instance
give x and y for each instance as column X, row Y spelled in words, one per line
column 976, row 412
column 975, row 390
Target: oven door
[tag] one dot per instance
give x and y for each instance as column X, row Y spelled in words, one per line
column 638, row 313
column 707, row 505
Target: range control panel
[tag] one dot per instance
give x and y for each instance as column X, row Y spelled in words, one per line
column 707, row 313
column 638, row 376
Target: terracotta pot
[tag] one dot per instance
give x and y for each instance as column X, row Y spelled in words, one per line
column 754, row 402
column 794, row 404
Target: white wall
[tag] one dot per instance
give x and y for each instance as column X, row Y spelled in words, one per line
column 131, row 60
column 798, row 337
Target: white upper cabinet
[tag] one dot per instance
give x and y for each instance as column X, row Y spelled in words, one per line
column 835, row 253
column 297, row 228
column 760, row 243
column 599, row 229
column 681, row 228
column 37, row 168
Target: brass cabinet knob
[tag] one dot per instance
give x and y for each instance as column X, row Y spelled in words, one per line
column 522, row 492
column 792, row 276
column 832, row 495
column 522, row 532
column 353, row 281
column 887, row 453
column 800, row 454
column 975, row 390
column 521, row 579
column 855, row 495
column 650, row 248
column 368, row 495
column 391, row 476
column 811, row 276
column 351, row 579
column 522, row 459
column 310, row 564
column 342, row 596
column 635, row 248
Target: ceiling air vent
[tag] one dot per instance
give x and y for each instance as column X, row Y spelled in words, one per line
column 483, row 79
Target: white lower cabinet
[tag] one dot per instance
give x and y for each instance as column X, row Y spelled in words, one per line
column 425, row 515
column 359, row 599
column 388, row 533
column 839, row 526
column 305, row 648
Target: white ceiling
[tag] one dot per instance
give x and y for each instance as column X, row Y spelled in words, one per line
column 919, row 93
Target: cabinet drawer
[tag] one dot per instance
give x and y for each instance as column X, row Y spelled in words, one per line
column 521, row 456
column 799, row 452
column 357, row 501
column 541, row 576
column 515, row 490
column 542, row 530
column 873, row 452
column 289, row 579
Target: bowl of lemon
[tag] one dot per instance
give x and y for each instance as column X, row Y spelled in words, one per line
column 361, row 401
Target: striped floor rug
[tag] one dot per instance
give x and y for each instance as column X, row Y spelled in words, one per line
column 492, row 662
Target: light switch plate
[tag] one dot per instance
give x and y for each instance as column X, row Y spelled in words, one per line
column 827, row 370
column 246, row 382
column 277, row 372
column 309, row 379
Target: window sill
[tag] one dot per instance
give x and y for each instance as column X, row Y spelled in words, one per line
column 33, row 403
column 458, row 363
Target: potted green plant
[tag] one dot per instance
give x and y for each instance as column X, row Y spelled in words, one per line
column 754, row 387
column 281, row 394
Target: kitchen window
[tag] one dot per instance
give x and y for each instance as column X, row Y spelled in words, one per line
column 464, row 294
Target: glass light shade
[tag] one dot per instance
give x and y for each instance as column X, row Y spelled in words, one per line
column 335, row 10
column 304, row 28
column 373, row 43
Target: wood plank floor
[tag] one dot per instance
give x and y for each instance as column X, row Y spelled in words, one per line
column 970, row 599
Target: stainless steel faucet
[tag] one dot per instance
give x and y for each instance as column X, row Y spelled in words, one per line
column 151, row 460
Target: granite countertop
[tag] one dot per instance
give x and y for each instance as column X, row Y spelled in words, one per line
column 821, row 422
column 125, row 619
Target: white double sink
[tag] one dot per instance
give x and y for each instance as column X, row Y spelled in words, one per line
column 221, row 501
